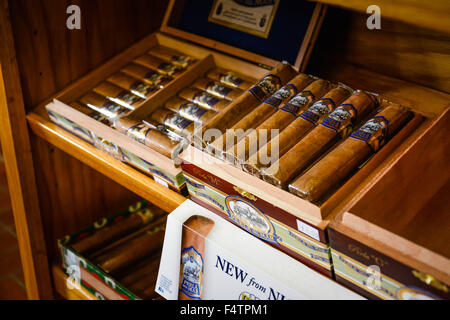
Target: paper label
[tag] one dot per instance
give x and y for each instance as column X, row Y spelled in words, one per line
column 308, row 230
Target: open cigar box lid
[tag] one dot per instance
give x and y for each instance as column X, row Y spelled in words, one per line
column 263, row 32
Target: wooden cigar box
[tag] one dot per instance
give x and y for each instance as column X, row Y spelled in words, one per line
column 212, row 45
column 392, row 242
column 300, row 228
column 82, row 271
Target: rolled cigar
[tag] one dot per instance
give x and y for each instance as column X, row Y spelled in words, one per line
column 217, row 89
column 174, row 121
column 103, row 106
column 336, row 126
column 159, row 141
column 130, row 252
column 142, row 269
column 158, row 65
column 230, row 79
column 190, row 110
column 137, row 87
column 337, row 165
column 261, row 113
column 248, row 146
column 296, row 130
column 203, row 99
column 113, row 232
column 147, row 75
column 146, row 283
column 195, row 231
column 172, row 56
column 246, row 102
column 118, row 95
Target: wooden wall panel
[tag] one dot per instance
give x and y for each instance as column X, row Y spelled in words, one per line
column 74, row 195
column 50, row 55
column 399, row 50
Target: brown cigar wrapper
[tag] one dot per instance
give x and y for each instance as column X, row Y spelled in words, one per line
column 246, row 102
column 118, row 95
column 279, row 120
column 172, row 56
column 160, row 65
column 135, row 86
column 293, row 133
column 337, row 165
column 261, row 113
column 174, row 121
column 104, row 106
column 190, row 110
column 137, row 273
column 316, row 142
column 195, row 231
column 113, row 232
column 147, row 75
column 230, row 79
column 150, row 137
column 132, row 251
column 217, row 89
column 203, row 99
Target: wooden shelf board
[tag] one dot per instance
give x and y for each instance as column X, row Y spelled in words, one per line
column 116, row 170
column 60, row 282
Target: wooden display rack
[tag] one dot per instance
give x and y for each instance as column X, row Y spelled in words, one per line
column 59, row 183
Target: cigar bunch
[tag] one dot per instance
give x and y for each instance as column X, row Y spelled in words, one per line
column 128, row 249
column 308, row 137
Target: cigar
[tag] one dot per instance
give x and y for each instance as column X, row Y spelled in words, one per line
column 261, row 113
column 248, row 146
column 333, row 169
column 142, row 270
column 109, row 234
column 174, row 121
column 217, row 89
column 150, row 136
column 189, row 110
column 246, row 102
column 230, row 79
column 203, row 99
column 158, row 65
column 120, row 257
column 147, row 75
column 296, row 130
column 118, row 95
column 137, row 87
column 195, row 231
column 172, row 56
column 103, row 106
column 335, row 127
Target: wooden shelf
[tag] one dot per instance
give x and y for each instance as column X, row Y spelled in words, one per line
column 60, row 282
column 116, row 170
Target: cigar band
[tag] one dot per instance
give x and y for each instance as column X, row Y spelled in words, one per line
column 217, row 88
column 155, row 77
column 167, row 68
column 142, row 89
column 317, row 110
column 182, row 61
column 374, row 132
column 109, row 109
column 298, row 102
column 176, row 122
column 341, row 120
column 192, row 110
column 192, row 266
column 146, row 215
column 284, row 93
column 266, row 87
column 128, row 98
column 138, row 132
column 205, row 99
column 230, row 79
